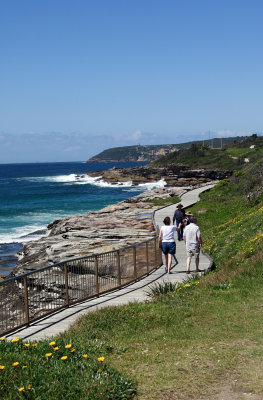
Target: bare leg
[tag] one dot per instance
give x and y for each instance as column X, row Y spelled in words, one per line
column 166, row 262
column 169, row 263
column 197, row 264
column 188, row 263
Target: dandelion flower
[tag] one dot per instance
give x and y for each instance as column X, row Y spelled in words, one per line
column 26, row 344
column 52, row 343
column 16, row 339
column 21, row 389
column 101, row 359
column 85, row 356
column 3, row 338
column 34, row 345
column 72, row 350
column 15, row 364
column 56, row 348
column 48, row 354
column 64, row 357
column 68, row 346
column 24, row 366
column 2, row 367
column 29, row 387
column 187, row 285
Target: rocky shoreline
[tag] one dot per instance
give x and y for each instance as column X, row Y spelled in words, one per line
column 173, row 175
column 112, row 227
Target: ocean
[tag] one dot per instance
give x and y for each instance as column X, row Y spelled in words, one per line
column 33, row 195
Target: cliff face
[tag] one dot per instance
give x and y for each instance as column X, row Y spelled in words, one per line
column 173, row 175
column 133, row 153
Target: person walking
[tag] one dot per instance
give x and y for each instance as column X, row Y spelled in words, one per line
column 167, row 242
column 193, row 242
column 179, row 215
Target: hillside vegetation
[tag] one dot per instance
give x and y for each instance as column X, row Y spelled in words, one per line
column 232, row 156
column 200, row 340
column 153, row 152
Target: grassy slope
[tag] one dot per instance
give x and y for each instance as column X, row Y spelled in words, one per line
column 232, row 157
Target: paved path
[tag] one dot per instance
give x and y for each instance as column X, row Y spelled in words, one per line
column 60, row 321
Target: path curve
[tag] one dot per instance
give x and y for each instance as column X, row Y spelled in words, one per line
column 60, row 321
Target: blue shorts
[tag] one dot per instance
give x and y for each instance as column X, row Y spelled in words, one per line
column 168, row 247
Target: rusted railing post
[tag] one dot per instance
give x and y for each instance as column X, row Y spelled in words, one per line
column 134, row 263
column 26, row 300
column 97, row 276
column 66, row 283
column 155, row 252
column 147, row 256
column 119, row 267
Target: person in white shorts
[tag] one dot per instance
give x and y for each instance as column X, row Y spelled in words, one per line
column 193, row 242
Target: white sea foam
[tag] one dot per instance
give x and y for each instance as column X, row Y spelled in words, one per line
column 23, row 234
column 85, row 179
column 152, row 185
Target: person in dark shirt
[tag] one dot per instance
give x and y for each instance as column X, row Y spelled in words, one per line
column 179, row 215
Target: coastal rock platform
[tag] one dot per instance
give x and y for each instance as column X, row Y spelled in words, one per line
column 110, row 228
column 175, row 176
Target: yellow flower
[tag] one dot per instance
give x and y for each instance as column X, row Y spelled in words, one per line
column 2, row 367
column 29, row 387
column 68, row 346
column 26, row 344
column 16, row 339
column 72, row 350
column 15, row 364
column 56, row 348
column 101, row 359
column 24, row 366
column 187, row 285
column 21, row 389
column 3, row 338
column 52, row 343
column 85, row 356
column 64, row 357
column 48, row 354
column 34, row 345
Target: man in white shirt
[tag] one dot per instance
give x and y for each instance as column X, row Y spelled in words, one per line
column 193, row 242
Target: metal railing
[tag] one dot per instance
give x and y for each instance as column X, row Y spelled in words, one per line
column 34, row 295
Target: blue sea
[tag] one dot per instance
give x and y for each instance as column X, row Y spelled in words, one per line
column 33, row 195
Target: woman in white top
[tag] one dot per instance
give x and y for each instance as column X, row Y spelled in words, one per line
column 167, row 242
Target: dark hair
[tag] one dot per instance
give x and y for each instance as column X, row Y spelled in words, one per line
column 193, row 219
column 167, row 221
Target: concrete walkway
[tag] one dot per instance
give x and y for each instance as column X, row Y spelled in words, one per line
column 60, row 321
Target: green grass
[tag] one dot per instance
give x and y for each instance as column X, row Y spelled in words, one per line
column 50, row 370
column 188, row 341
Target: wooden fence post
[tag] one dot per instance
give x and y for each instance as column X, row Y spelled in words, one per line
column 26, row 299
column 66, row 283
column 147, row 256
column 97, row 276
column 134, row 262
column 119, row 267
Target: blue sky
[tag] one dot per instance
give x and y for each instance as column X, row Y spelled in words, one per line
column 80, row 76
